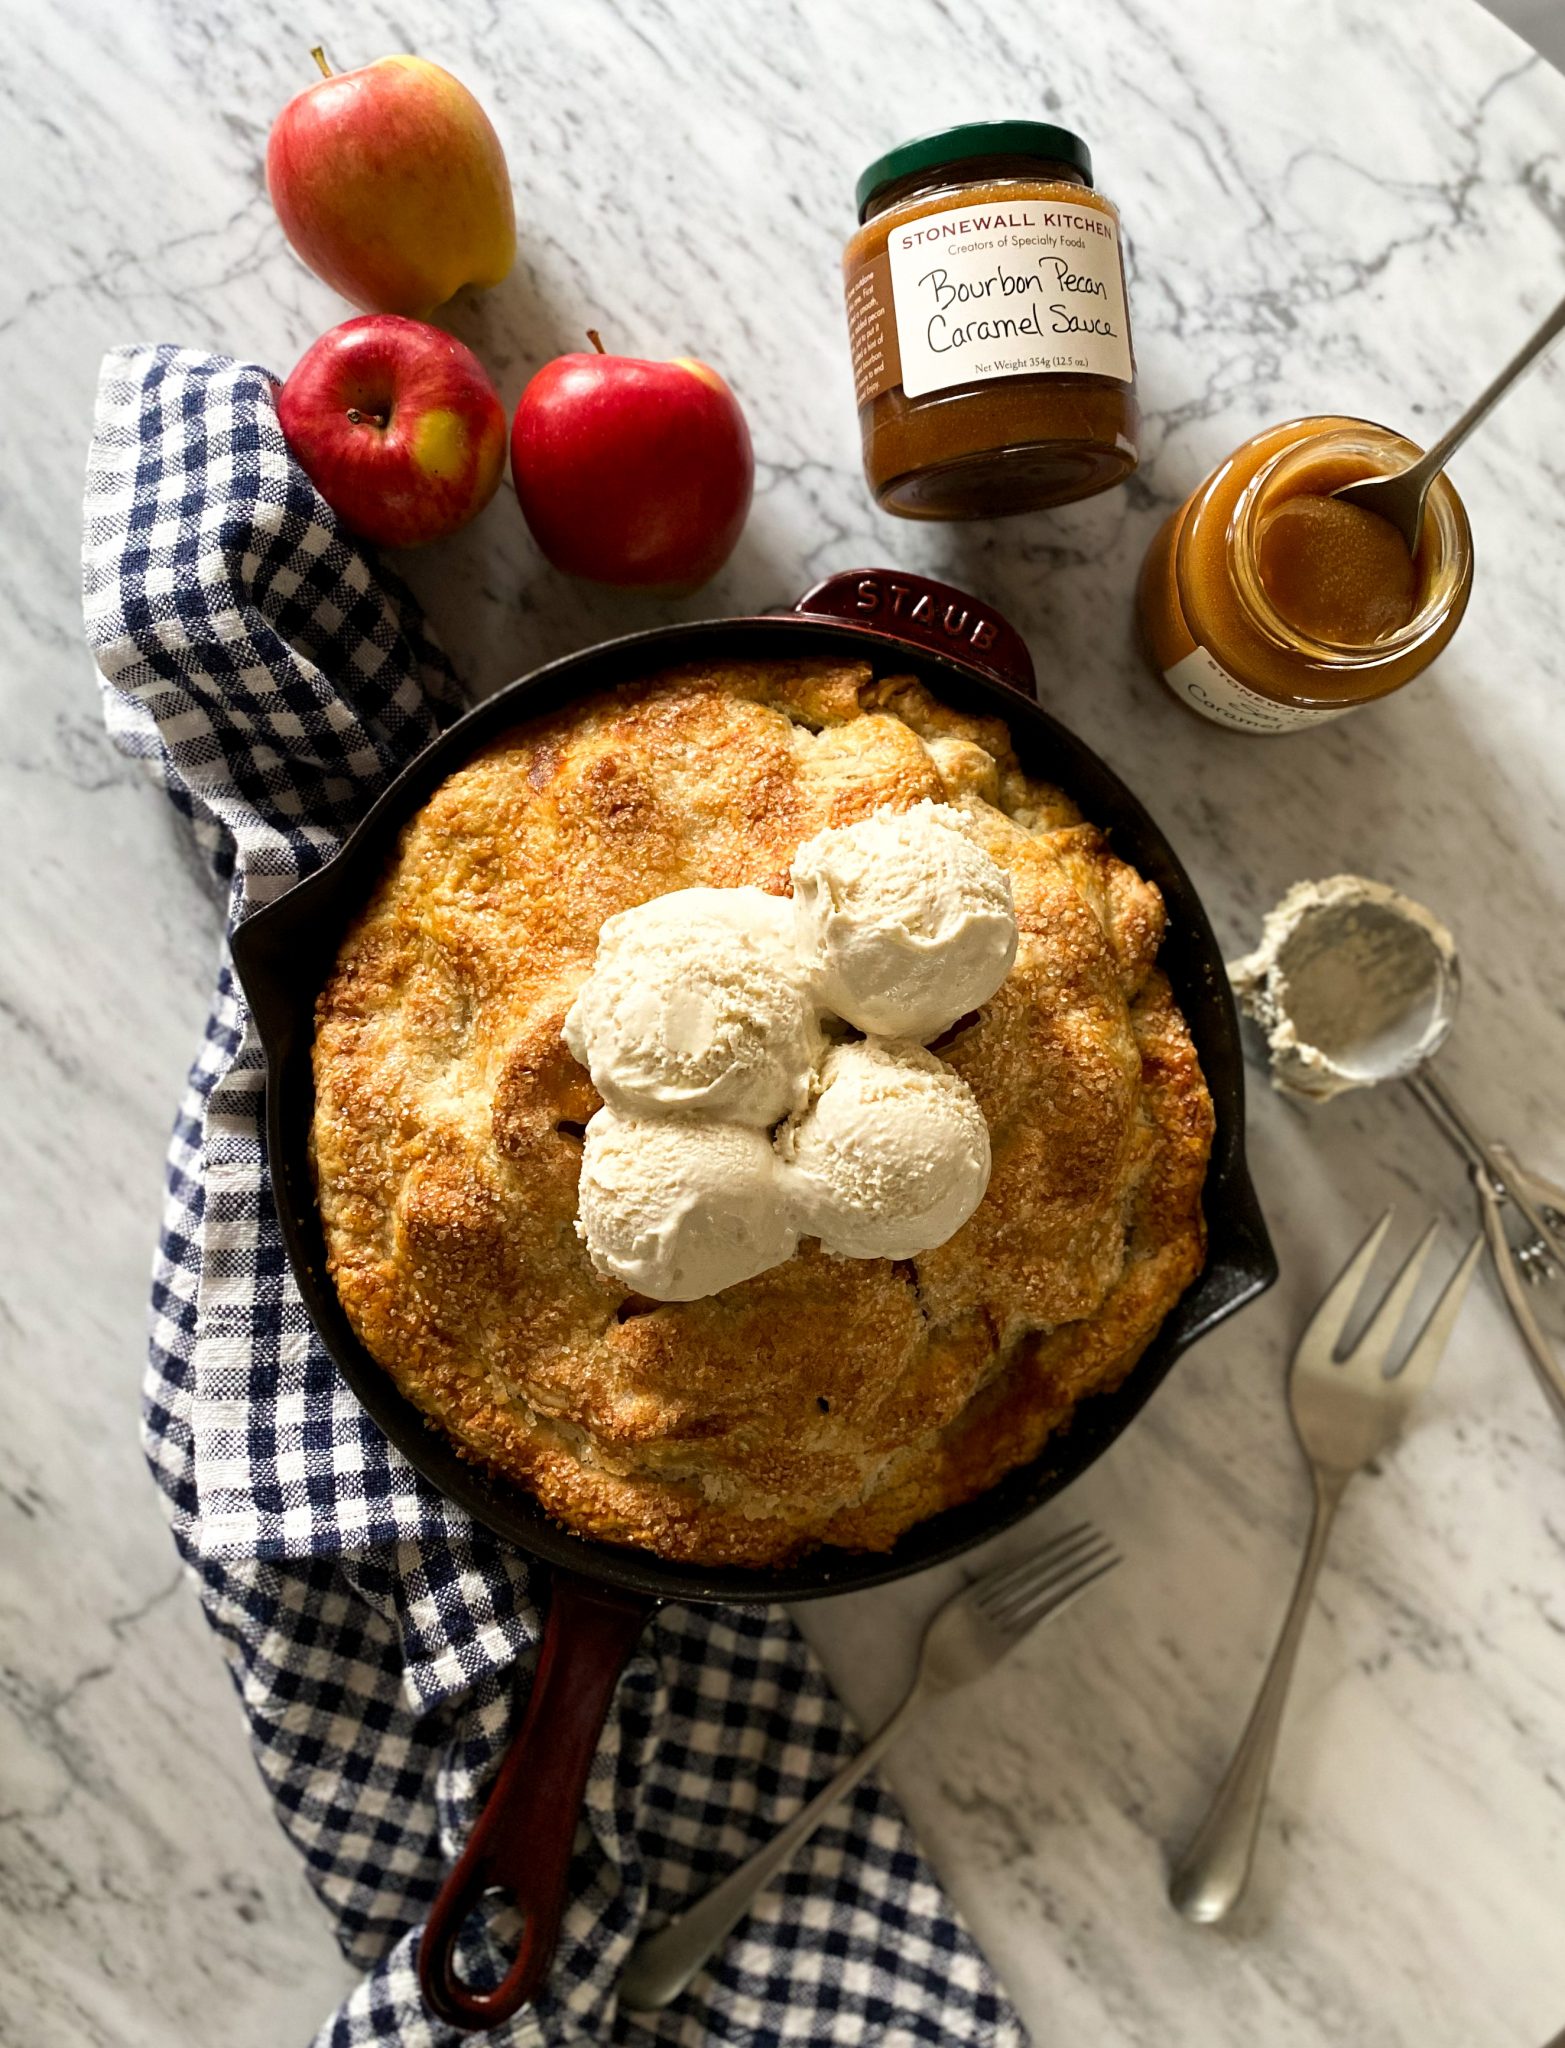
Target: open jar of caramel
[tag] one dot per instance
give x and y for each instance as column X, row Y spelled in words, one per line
column 1267, row 604
column 989, row 327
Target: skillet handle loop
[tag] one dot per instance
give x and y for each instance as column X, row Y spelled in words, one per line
column 524, row 1836
column 931, row 616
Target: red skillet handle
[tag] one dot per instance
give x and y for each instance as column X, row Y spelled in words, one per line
column 524, row 1835
column 927, row 614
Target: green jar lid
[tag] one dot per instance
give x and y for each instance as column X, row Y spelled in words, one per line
column 974, row 139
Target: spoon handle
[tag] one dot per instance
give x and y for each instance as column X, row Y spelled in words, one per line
column 1430, row 465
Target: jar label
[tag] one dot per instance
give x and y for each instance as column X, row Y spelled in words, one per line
column 1031, row 288
column 872, row 331
column 1206, row 686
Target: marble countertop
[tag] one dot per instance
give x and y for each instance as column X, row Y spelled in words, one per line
column 1342, row 206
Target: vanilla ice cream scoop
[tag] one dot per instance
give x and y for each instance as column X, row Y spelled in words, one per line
column 904, row 921
column 697, row 1002
column 678, row 1207
column 891, row 1157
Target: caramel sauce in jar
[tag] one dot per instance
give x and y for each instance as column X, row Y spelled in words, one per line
column 1266, row 605
column 1335, row 571
column 988, row 321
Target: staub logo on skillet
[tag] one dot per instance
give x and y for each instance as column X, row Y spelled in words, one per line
column 903, row 601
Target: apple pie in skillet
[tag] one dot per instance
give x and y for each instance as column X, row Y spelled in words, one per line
column 828, row 1399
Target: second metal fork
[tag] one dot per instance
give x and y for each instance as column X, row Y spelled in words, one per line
column 969, row 1634
column 1345, row 1410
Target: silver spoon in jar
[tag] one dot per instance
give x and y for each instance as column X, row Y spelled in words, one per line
column 1352, row 985
column 1400, row 497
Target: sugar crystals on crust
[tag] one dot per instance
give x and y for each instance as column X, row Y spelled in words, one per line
column 829, row 1399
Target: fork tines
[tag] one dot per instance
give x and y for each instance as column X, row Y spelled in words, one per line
column 1322, row 1342
column 1016, row 1596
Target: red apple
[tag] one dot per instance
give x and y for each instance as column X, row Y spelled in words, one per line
column 397, row 427
column 632, row 472
column 392, row 185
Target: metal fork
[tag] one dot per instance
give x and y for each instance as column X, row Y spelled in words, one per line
column 1346, row 1410
column 967, row 1636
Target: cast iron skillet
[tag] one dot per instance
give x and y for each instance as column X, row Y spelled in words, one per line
column 602, row 1595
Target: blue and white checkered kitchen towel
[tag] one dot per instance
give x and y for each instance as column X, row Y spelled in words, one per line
column 380, row 1641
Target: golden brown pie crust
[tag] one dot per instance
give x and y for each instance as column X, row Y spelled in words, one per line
column 829, row 1400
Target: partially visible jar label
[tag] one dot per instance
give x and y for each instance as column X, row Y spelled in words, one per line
column 872, row 331
column 1206, row 686
column 1032, row 287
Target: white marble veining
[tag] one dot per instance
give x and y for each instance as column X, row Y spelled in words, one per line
column 1330, row 204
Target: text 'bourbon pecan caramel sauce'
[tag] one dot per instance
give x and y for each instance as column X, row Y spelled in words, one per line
column 989, row 327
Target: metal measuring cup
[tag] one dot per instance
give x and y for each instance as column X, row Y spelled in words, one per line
column 1354, row 984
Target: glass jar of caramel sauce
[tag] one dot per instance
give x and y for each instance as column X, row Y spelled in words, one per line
column 989, row 326
column 1266, row 604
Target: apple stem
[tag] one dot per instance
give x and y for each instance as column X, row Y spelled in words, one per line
column 357, row 418
column 320, row 57
column 596, row 340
